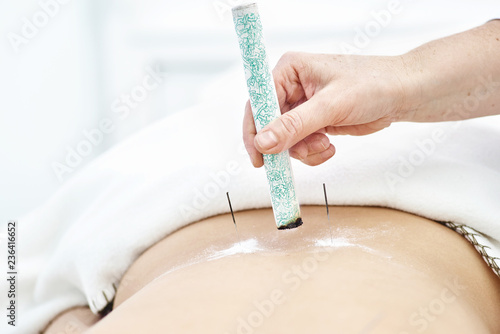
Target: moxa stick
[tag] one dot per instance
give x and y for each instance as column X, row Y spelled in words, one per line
column 265, row 108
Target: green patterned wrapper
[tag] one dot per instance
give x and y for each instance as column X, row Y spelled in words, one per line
column 265, row 108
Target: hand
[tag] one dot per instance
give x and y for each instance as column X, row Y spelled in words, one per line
column 326, row 94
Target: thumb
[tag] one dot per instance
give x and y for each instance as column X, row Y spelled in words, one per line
column 290, row 128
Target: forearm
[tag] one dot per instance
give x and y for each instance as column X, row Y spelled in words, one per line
column 453, row 78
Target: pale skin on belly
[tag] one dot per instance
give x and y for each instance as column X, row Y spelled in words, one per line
column 385, row 272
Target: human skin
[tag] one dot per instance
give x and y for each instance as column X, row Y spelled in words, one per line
column 453, row 78
column 368, row 270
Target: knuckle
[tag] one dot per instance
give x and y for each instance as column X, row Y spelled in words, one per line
column 288, row 55
column 292, row 123
column 310, row 161
column 316, row 161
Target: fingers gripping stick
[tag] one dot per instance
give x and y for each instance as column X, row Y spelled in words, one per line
column 265, row 108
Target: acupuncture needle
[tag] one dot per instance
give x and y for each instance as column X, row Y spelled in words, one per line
column 328, row 213
column 234, row 220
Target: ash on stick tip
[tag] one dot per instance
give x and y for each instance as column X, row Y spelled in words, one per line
column 295, row 224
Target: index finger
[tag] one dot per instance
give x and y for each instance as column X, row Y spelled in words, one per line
column 249, row 133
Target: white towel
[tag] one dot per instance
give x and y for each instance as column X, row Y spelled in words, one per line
column 73, row 249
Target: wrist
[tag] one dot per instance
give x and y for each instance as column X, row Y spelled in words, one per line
column 409, row 73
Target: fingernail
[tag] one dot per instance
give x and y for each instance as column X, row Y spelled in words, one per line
column 328, row 153
column 296, row 155
column 266, row 139
column 319, row 146
column 325, row 142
